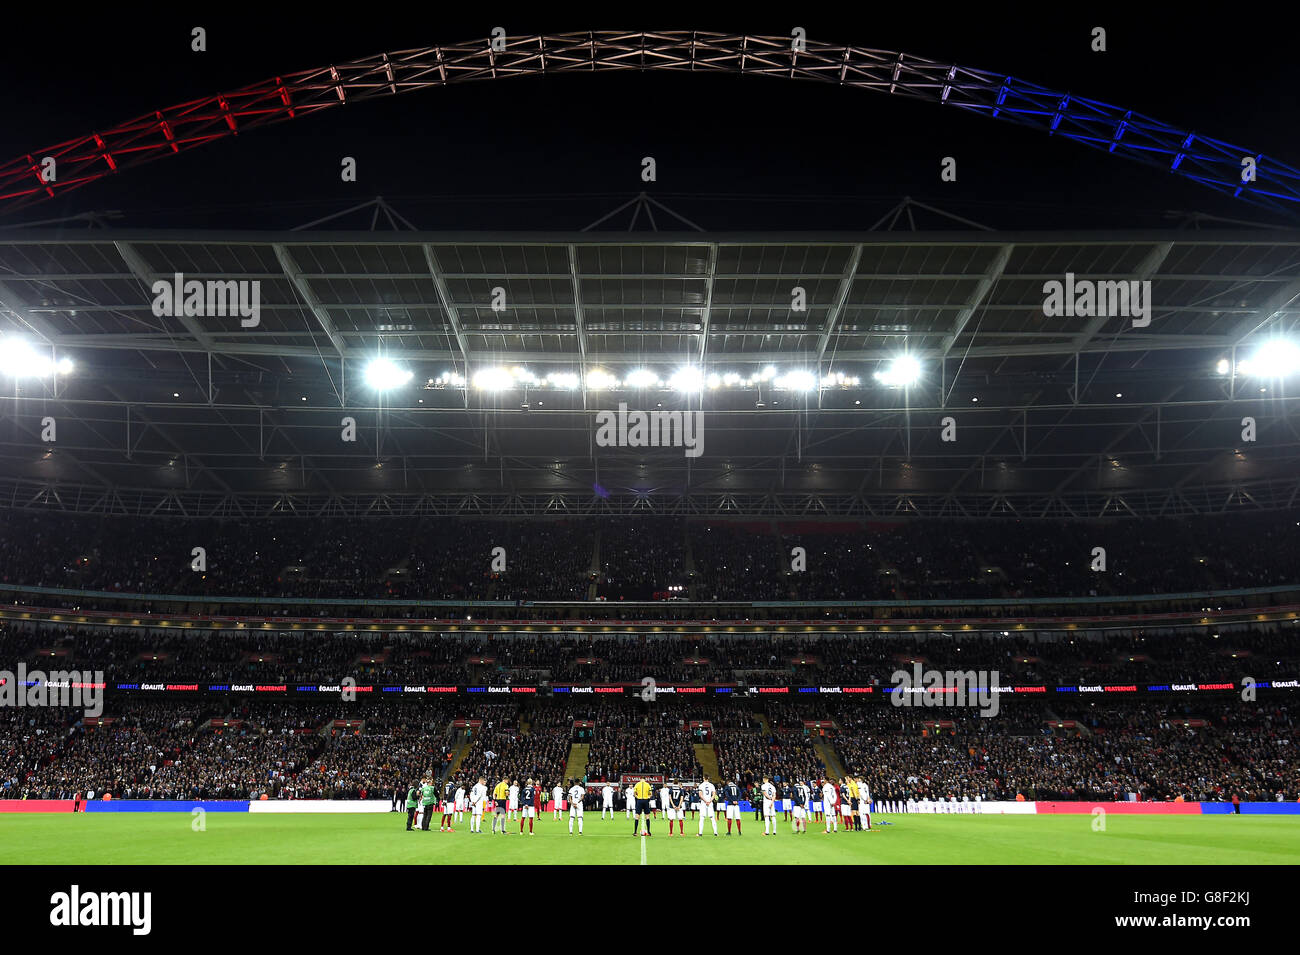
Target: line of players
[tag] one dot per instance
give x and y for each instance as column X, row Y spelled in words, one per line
column 798, row 802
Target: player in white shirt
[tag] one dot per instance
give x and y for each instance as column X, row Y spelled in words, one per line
column 607, row 801
column 557, row 794
column 829, row 799
column 630, row 796
column 576, row 794
column 663, row 800
column 477, row 800
column 769, row 807
column 514, row 800
column 461, row 803
column 864, row 805
column 707, row 793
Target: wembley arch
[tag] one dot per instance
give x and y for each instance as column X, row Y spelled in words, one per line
column 1244, row 173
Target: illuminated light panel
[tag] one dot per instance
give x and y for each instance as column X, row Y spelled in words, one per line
column 493, row 379
column 599, row 380
column 796, row 381
column 642, row 378
column 382, row 375
column 688, row 380
column 564, row 380
column 1273, row 359
column 18, row 359
column 901, row 372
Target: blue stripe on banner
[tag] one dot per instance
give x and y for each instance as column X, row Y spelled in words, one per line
column 1252, row 808
column 167, row 805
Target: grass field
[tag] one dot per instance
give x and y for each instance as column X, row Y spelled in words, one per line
column 244, row 839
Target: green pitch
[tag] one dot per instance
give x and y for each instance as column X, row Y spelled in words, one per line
column 242, row 839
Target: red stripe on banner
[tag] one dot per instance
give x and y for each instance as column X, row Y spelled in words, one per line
column 1122, row 808
column 35, row 805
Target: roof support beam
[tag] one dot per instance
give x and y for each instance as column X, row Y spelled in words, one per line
column 135, row 408
column 1276, row 302
column 9, row 299
column 995, row 270
column 448, row 304
column 294, row 274
column 708, row 302
column 1145, row 270
column 1152, row 411
column 304, row 290
column 841, row 298
column 579, row 323
column 146, row 274
column 271, row 349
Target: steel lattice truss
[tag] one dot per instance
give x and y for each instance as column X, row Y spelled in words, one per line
column 1056, row 415
column 1210, row 162
column 1281, row 494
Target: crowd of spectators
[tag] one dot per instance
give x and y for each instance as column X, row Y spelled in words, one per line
column 139, row 655
column 649, row 749
column 627, row 559
column 290, row 558
column 1201, row 749
column 746, row 757
column 503, row 750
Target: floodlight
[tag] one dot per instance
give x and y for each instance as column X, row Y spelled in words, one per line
column 796, row 381
column 600, row 380
column 642, row 378
column 902, row 371
column 493, row 379
column 1273, row 359
column 18, row 359
column 688, row 379
column 565, row 380
column 382, row 375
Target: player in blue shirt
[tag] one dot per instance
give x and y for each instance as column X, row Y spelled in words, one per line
column 731, row 799
column 527, row 806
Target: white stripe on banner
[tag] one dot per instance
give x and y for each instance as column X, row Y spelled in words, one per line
column 319, row 805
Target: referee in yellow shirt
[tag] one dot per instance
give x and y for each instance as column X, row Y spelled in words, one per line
column 641, row 793
column 500, row 796
column 854, row 796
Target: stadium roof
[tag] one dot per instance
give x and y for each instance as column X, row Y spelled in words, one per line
column 1054, row 415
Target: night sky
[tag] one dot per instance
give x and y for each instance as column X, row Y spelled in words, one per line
column 514, row 154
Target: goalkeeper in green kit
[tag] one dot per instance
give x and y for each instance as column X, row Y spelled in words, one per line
column 427, row 798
